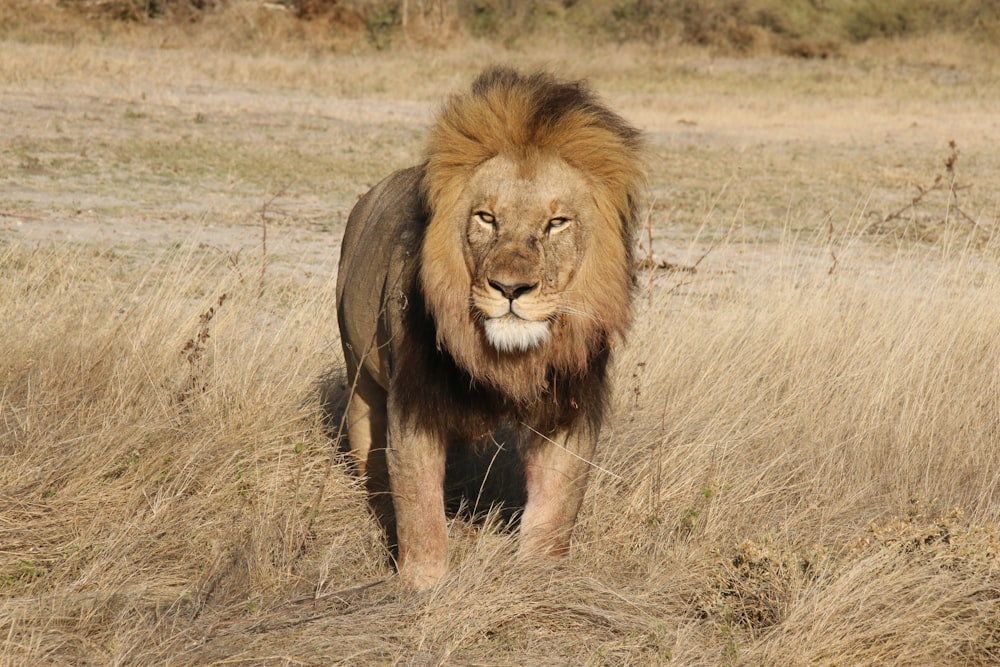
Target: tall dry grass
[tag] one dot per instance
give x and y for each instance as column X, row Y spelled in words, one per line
column 161, row 447
column 802, row 468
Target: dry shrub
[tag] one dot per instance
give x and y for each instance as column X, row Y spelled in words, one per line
column 801, row 28
column 935, row 212
column 233, row 26
column 141, row 10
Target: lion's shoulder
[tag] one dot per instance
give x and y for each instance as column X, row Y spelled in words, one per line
column 388, row 213
column 387, row 221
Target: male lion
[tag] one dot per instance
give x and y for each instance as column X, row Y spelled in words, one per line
column 484, row 289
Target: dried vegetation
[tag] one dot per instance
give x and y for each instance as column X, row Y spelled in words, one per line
column 803, row 463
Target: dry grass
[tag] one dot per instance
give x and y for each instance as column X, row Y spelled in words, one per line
column 802, row 466
column 802, row 469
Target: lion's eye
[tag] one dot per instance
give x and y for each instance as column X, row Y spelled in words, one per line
column 485, row 218
column 555, row 224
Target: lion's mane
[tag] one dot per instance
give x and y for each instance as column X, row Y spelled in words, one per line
column 525, row 118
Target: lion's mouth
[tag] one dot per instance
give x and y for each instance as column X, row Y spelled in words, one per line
column 510, row 333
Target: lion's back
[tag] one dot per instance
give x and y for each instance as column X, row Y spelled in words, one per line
column 380, row 246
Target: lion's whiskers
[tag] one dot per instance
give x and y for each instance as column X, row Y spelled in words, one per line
column 567, row 309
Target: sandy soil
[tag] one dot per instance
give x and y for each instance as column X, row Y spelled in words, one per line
column 146, row 148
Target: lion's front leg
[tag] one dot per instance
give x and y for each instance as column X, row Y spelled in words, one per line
column 416, row 461
column 556, row 471
column 366, row 428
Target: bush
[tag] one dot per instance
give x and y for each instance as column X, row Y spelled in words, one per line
column 137, row 10
column 797, row 27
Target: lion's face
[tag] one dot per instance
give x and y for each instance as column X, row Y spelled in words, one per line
column 526, row 227
column 523, row 270
column 525, row 263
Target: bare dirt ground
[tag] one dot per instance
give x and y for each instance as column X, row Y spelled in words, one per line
column 801, row 467
column 146, row 148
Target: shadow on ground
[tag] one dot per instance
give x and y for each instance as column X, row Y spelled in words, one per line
column 481, row 478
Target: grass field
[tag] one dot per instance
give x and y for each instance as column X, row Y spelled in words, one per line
column 802, row 466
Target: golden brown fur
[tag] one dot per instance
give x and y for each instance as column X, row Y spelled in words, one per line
column 484, row 289
column 524, row 118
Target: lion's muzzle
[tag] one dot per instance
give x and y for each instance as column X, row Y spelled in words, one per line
column 512, row 321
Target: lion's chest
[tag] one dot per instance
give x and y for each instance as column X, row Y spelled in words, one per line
column 456, row 405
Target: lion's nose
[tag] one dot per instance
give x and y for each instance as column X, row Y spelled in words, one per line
column 512, row 292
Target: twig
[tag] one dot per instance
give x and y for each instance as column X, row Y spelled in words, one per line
column 649, row 263
column 15, row 214
column 833, row 254
column 646, row 264
column 319, row 603
column 263, row 239
column 917, row 198
column 951, row 186
column 649, row 234
column 232, row 259
column 573, row 454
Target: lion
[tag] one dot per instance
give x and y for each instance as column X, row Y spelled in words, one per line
column 485, row 289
